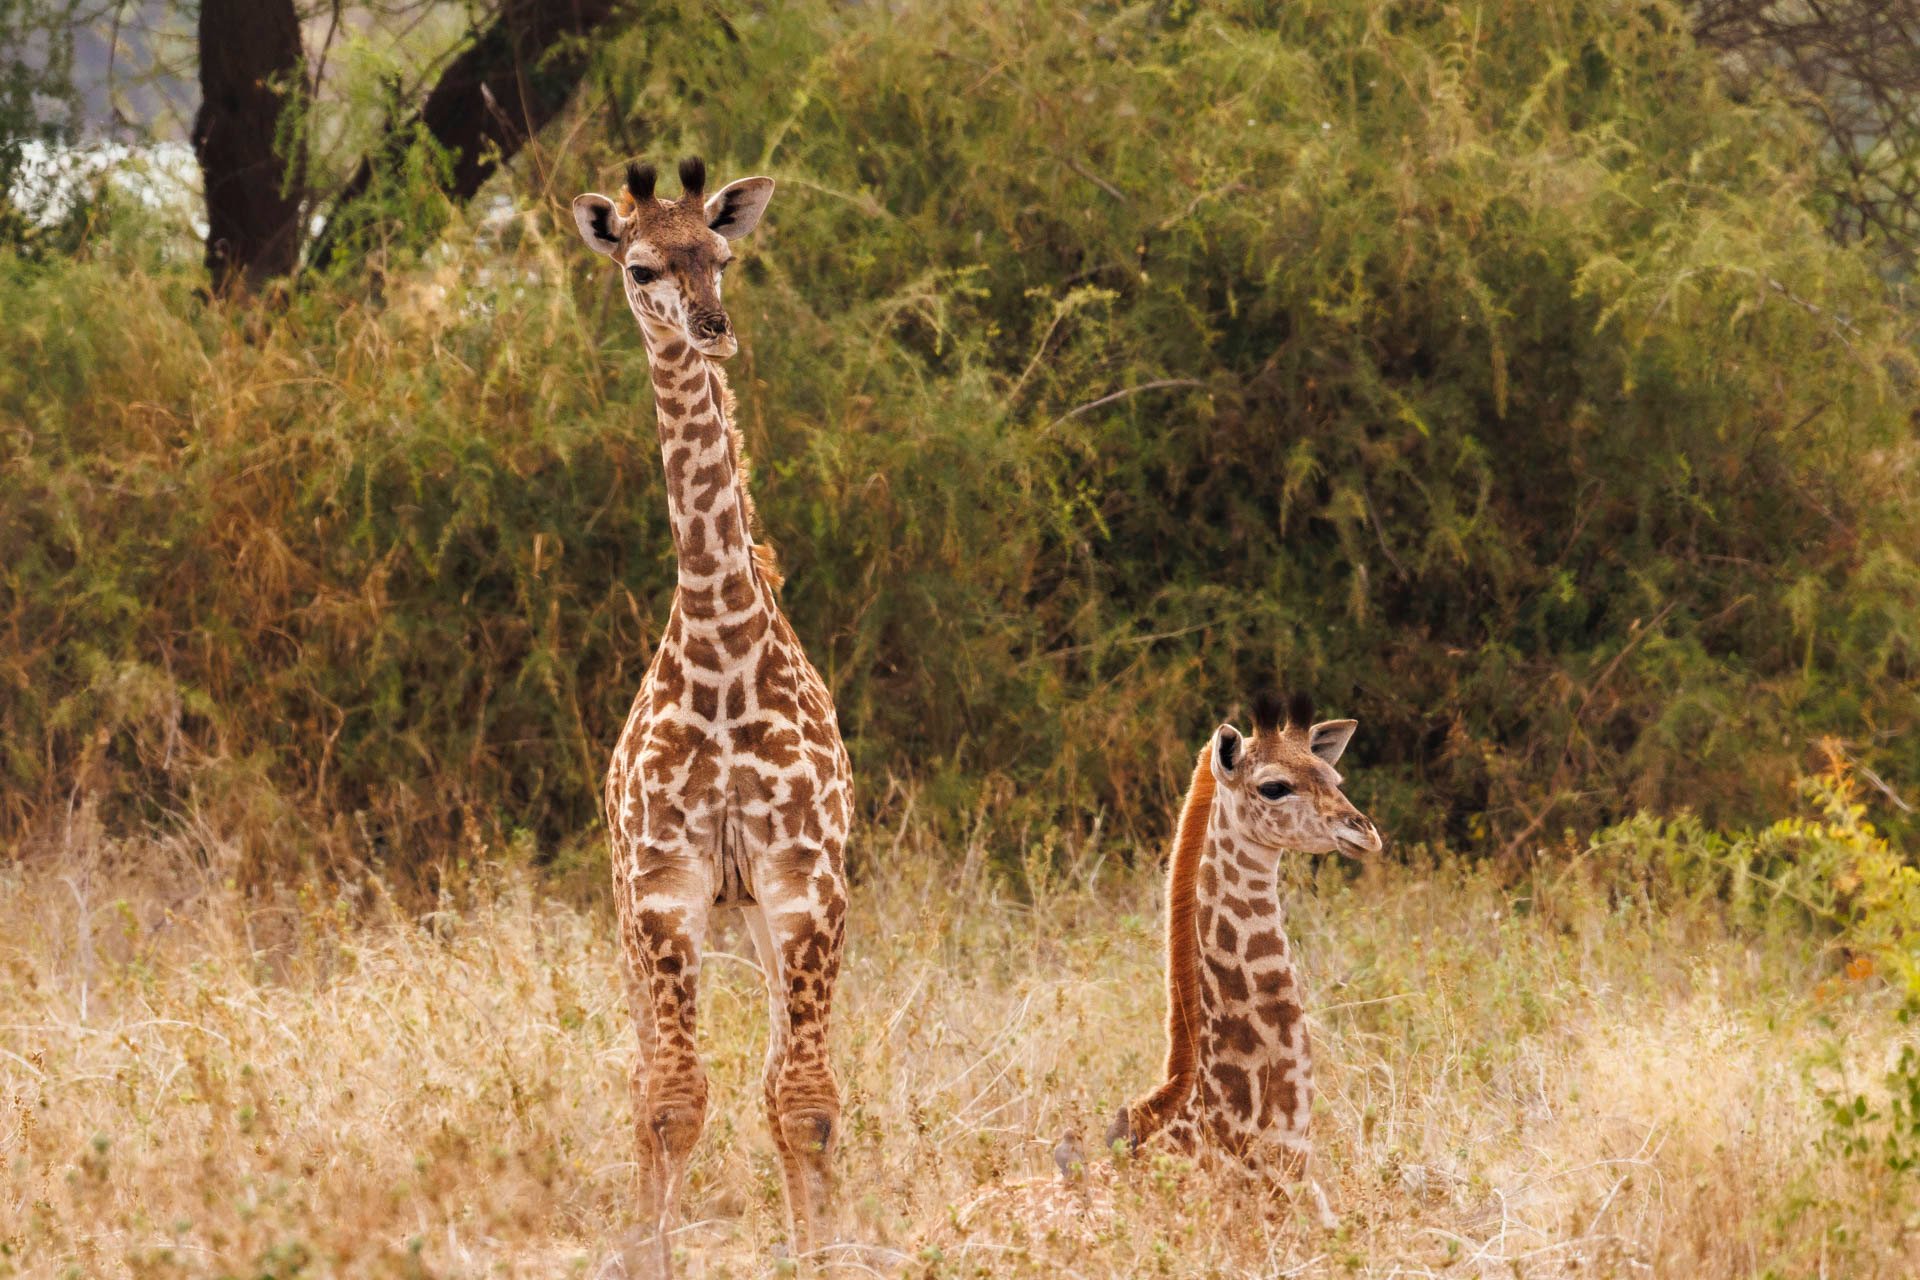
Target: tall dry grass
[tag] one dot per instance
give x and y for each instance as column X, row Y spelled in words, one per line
column 1531, row 1080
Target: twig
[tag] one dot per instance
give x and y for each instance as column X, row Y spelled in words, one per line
column 326, row 47
column 1090, row 405
column 737, row 959
column 1095, row 179
column 1361, row 1004
column 1879, row 783
column 1380, row 532
column 1155, row 638
column 1606, row 672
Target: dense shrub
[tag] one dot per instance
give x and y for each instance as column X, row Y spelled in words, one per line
column 1828, row 874
column 1478, row 367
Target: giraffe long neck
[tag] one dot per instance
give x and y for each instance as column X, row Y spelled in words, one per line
column 722, row 574
column 1253, row 1067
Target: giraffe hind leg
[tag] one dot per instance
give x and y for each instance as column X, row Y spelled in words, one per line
column 776, row 1053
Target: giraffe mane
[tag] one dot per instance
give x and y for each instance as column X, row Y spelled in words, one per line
column 765, row 558
column 1183, row 956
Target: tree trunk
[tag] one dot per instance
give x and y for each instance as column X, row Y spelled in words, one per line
column 251, row 70
column 515, row 77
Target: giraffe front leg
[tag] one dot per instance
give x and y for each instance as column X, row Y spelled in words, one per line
column 799, row 933
column 646, row 1169
column 664, row 921
column 1277, row 1166
column 1279, row 1174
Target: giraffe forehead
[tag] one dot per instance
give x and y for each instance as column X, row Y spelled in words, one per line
column 675, row 234
column 1284, row 756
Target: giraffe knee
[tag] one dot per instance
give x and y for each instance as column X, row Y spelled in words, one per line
column 1293, row 1161
column 676, row 1127
column 1282, row 1161
column 811, row 1130
column 802, row 1082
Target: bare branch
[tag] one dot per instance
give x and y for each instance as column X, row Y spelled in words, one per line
column 1854, row 66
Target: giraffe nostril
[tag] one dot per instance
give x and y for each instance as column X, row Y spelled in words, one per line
column 710, row 326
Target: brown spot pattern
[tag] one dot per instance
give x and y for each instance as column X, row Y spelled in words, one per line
column 1238, row 1081
column 711, row 798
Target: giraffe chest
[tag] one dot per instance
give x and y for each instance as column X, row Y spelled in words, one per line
column 732, row 747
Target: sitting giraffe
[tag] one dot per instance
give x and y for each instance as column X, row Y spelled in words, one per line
column 729, row 785
column 1238, row 1079
column 1237, row 1092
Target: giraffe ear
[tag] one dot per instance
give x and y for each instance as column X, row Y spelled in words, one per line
column 1226, row 752
column 735, row 209
column 1329, row 738
column 600, row 223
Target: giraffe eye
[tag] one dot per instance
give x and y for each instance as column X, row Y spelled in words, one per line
column 643, row 275
column 1275, row 790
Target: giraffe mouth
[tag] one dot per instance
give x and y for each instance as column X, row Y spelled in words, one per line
column 1361, row 841
column 722, row 348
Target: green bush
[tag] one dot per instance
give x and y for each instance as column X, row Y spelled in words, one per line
column 1832, row 873
column 1478, row 367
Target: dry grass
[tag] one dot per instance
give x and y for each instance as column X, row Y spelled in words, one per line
column 1516, row 1081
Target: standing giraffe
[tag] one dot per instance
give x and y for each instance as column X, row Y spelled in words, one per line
column 1238, row 1078
column 730, row 785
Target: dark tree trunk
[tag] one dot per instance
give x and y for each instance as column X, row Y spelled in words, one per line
column 515, row 77
column 251, row 70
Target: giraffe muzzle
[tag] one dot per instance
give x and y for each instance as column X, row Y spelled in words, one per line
column 1358, row 838
column 711, row 329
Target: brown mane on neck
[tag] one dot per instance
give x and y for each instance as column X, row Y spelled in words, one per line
column 765, row 558
column 1183, row 958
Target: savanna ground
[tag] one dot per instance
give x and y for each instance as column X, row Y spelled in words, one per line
column 1522, row 1072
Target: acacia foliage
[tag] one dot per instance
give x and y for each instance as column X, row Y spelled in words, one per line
column 1479, row 367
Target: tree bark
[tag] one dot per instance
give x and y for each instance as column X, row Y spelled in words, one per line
column 251, row 70
column 504, row 88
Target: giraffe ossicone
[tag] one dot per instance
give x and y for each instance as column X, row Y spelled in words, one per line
column 729, row 786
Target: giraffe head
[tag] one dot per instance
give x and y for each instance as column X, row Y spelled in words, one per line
column 1278, row 789
column 671, row 253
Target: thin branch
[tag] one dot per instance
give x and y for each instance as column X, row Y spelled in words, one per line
column 1094, row 178
column 1091, row 405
